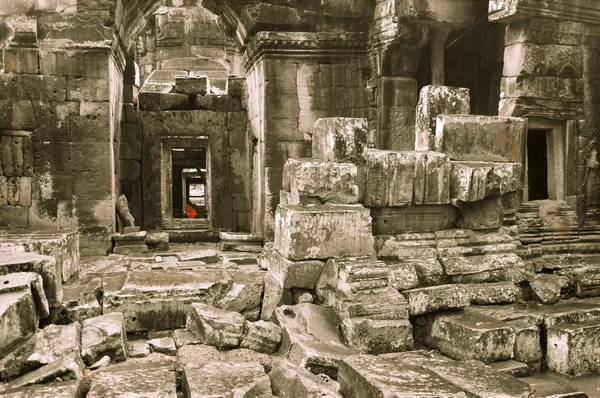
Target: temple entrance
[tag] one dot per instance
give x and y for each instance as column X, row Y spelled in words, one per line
column 537, row 164
column 189, row 189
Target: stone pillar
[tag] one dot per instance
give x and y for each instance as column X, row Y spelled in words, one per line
column 438, row 44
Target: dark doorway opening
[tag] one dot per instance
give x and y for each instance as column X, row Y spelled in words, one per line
column 189, row 187
column 537, row 164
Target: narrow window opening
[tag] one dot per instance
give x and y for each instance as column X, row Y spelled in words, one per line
column 537, row 164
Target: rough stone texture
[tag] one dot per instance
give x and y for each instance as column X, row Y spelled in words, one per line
column 378, row 303
column 163, row 345
column 574, row 349
column 512, row 368
column 104, row 335
column 340, row 140
column 43, row 265
column 377, row 336
column 493, row 293
column 404, row 178
column 291, row 380
column 545, row 388
column 62, row 389
column 138, row 349
column 365, row 376
column 217, row 327
column 151, row 379
column 245, row 293
column 322, row 231
column 473, row 181
column 18, row 318
column 310, row 337
column 547, row 288
column 587, row 284
column 225, row 379
column 294, row 274
column 491, row 139
column 409, row 219
column 67, row 368
column 184, row 337
column 261, row 336
column 275, row 296
column 471, row 376
column 487, row 213
column 431, row 299
column 191, row 86
column 527, row 341
column 27, row 281
column 434, row 101
column 472, row 336
column 310, row 181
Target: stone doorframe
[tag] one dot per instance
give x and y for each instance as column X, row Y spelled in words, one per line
column 166, row 179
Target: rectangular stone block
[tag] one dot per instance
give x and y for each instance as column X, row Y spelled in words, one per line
column 18, row 318
column 473, row 181
column 191, row 86
column 480, row 138
column 587, row 284
column 19, row 191
column 294, row 274
column 431, row 299
column 323, row 231
column 310, row 181
column 374, row 337
column 527, row 341
column 573, row 349
column 434, row 101
column 340, row 140
column 401, row 220
column 376, row 303
column 472, row 336
column 163, row 101
column 389, row 178
column 493, row 293
column 432, row 175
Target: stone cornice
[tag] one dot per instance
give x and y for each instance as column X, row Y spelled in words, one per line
column 305, row 43
column 584, row 11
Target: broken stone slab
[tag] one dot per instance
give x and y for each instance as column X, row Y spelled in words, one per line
column 239, row 241
column 487, row 213
column 434, row 101
column 409, row 245
column 431, row 299
column 261, row 336
column 378, row 304
column 574, row 348
column 363, row 274
column 493, row 293
column 470, row 376
column 216, row 327
column 274, row 296
column 431, row 185
column 294, row 274
column 410, row 219
column 54, row 342
column 184, row 337
column 225, row 379
column 104, row 335
column 18, row 319
column 310, row 337
column 465, row 265
column 40, row 264
column 473, row 181
column 290, row 380
column 164, row 345
column 375, row 336
column 312, row 181
column 547, row 287
column 138, row 349
column 245, row 293
column 69, row 367
column 138, row 380
column 545, row 388
column 323, row 231
column 512, row 368
column 125, row 238
column 587, row 284
column 489, row 138
column 61, row 389
column 130, row 249
column 366, row 376
column 471, row 335
column 27, row 281
column 209, row 256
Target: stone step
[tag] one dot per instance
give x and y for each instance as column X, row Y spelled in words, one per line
column 366, row 376
column 148, row 379
column 574, row 349
column 46, row 266
column 470, row 376
column 470, row 335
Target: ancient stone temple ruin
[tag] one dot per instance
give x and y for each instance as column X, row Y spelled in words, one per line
column 319, row 198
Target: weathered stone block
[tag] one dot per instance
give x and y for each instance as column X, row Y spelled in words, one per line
column 291, row 380
column 490, row 139
column 261, row 336
column 61, row 389
column 529, row 59
column 401, row 220
column 527, row 341
column 163, row 345
column 310, row 337
column 434, row 101
column 104, row 335
column 245, row 293
column 69, row 367
column 217, row 327
column 191, row 86
column 323, row 231
column 574, row 349
column 155, row 379
column 432, row 178
column 294, row 274
column 275, row 295
column 225, row 379
column 472, row 336
column 493, row 293
column 365, row 376
column 13, row 217
column 473, row 181
column 27, row 281
column 547, row 288
column 487, row 213
column 478, row 265
column 340, row 140
column 311, row 181
column 18, row 318
column 163, row 101
column 389, row 178
column 587, row 284
column 431, row 299
column 374, row 336
column 218, row 103
column 374, row 303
